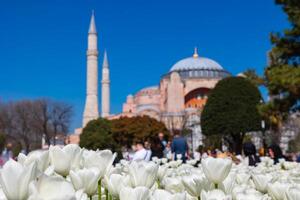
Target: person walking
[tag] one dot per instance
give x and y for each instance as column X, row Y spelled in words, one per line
column 179, row 146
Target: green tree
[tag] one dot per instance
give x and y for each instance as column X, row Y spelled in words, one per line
column 97, row 134
column 128, row 130
column 231, row 111
column 283, row 73
column 251, row 75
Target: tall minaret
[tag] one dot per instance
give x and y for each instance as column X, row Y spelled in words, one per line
column 91, row 104
column 105, row 88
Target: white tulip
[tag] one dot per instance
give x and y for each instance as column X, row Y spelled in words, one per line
column 266, row 161
column 102, row 160
column 86, row 179
column 114, row 184
column 192, row 162
column 239, row 189
column 53, row 188
column 164, row 160
column 66, row 158
column 261, row 181
column 138, row 193
column 118, row 169
column 243, row 178
column 164, row 195
column 143, row 173
column 194, row 184
column 15, row 178
column 2, row 195
column 214, row 195
column 41, row 157
column 162, row 171
column 289, row 165
column 216, row 169
column 173, row 184
column 228, row 184
column 292, row 193
column 175, row 163
column 252, row 196
column 156, row 160
column 277, row 190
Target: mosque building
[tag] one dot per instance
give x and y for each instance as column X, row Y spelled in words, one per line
column 177, row 100
column 181, row 91
column 180, row 96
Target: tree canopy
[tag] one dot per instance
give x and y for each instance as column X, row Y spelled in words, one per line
column 117, row 133
column 231, row 111
column 283, row 73
column 128, row 130
column 97, row 134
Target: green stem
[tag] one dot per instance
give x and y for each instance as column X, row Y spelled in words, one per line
column 106, row 194
column 91, row 197
column 99, row 189
column 110, row 197
column 216, row 185
column 199, row 198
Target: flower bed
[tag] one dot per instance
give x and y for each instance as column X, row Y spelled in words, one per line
column 72, row 173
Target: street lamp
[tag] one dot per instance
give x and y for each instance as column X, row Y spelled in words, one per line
column 263, row 126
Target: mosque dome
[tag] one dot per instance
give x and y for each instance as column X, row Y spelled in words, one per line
column 197, row 67
column 192, row 63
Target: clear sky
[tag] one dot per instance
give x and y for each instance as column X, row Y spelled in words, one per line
column 43, row 42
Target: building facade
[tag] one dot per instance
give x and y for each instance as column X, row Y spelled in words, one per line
column 180, row 96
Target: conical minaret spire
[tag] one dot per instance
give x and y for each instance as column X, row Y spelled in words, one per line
column 105, row 103
column 92, row 28
column 91, row 105
column 105, row 60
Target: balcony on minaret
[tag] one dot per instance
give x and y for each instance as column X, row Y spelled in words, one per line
column 92, row 52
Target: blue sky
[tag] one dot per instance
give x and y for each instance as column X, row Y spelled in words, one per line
column 43, row 43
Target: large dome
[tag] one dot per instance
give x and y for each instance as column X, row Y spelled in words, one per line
column 199, row 67
column 196, row 63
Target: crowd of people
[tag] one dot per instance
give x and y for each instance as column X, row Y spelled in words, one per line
column 177, row 148
column 159, row 147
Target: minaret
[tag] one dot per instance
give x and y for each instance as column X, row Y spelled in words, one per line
column 105, row 87
column 91, row 104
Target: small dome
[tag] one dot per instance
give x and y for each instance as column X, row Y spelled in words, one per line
column 148, row 91
column 150, row 88
column 196, row 63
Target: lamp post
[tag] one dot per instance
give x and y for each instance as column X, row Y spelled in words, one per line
column 263, row 129
column 263, row 126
